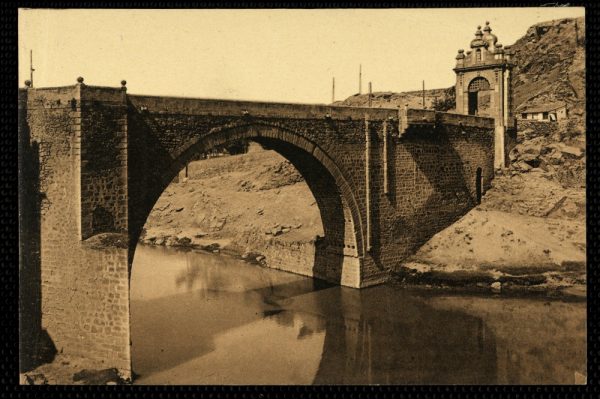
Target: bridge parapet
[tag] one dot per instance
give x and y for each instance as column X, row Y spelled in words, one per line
column 426, row 117
column 214, row 107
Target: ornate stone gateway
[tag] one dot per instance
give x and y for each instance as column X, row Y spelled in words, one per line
column 483, row 77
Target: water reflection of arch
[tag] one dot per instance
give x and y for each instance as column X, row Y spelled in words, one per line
column 410, row 342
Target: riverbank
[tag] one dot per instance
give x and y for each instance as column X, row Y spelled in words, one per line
column 528, row 233
column 503, row 251
column 196, row 316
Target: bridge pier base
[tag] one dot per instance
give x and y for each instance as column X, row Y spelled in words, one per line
column 337, row 266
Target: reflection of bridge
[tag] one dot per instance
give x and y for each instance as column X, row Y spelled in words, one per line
column 95, row 160
column 410, row 342
column 405, row 345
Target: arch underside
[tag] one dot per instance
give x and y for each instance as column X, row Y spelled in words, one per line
column 337, row 254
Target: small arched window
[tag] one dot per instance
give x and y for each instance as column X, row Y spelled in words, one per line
column 478, row 55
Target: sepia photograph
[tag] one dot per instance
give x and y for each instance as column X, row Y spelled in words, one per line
column 340, row 196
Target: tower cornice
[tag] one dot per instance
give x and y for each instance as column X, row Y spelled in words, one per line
column 486, row 66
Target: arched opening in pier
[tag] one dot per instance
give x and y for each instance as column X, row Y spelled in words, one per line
column 478, row 185
column 479, row 96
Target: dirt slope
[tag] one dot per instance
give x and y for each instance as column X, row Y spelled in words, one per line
column 236, row 202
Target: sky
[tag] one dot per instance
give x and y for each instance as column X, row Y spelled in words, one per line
column 264, row 55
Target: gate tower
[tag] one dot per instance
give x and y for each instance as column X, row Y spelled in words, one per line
column 483, row 86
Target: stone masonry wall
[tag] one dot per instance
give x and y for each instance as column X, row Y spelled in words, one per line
column 103, row 161
column 84, row 287
column 433, row 182
column 295, row 257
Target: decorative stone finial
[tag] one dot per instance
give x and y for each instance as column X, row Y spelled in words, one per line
column 28, row 83
column 80, row 80
column 478, row 32
column 123, row 83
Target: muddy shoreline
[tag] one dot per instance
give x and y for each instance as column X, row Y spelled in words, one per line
column 522, row 282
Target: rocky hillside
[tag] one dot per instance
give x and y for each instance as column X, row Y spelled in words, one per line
column 550, row 67
column 533, row 217
column 440, row 99
column 556, row 151
column 550, row 60
column 239, row 203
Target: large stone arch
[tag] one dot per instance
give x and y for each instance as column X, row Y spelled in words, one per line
column 102, row 157
column 338, row 254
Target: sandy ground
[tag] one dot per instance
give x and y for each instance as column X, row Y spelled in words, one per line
column 528, row 231
column 507, row 242
column 236, row 202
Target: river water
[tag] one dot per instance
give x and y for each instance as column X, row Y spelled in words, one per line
column 198, row 318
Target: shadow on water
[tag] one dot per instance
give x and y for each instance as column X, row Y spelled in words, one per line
column 35, row 345
column 374, row 336
column 213, row 296
column 383, row 336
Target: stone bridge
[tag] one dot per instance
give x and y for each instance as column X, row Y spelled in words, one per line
column 94, row 160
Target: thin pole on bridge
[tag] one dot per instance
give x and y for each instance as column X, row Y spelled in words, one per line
column 31, row 67
column 333, row 91
column 359, row 78
column 370, row 94
column 423, row 94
